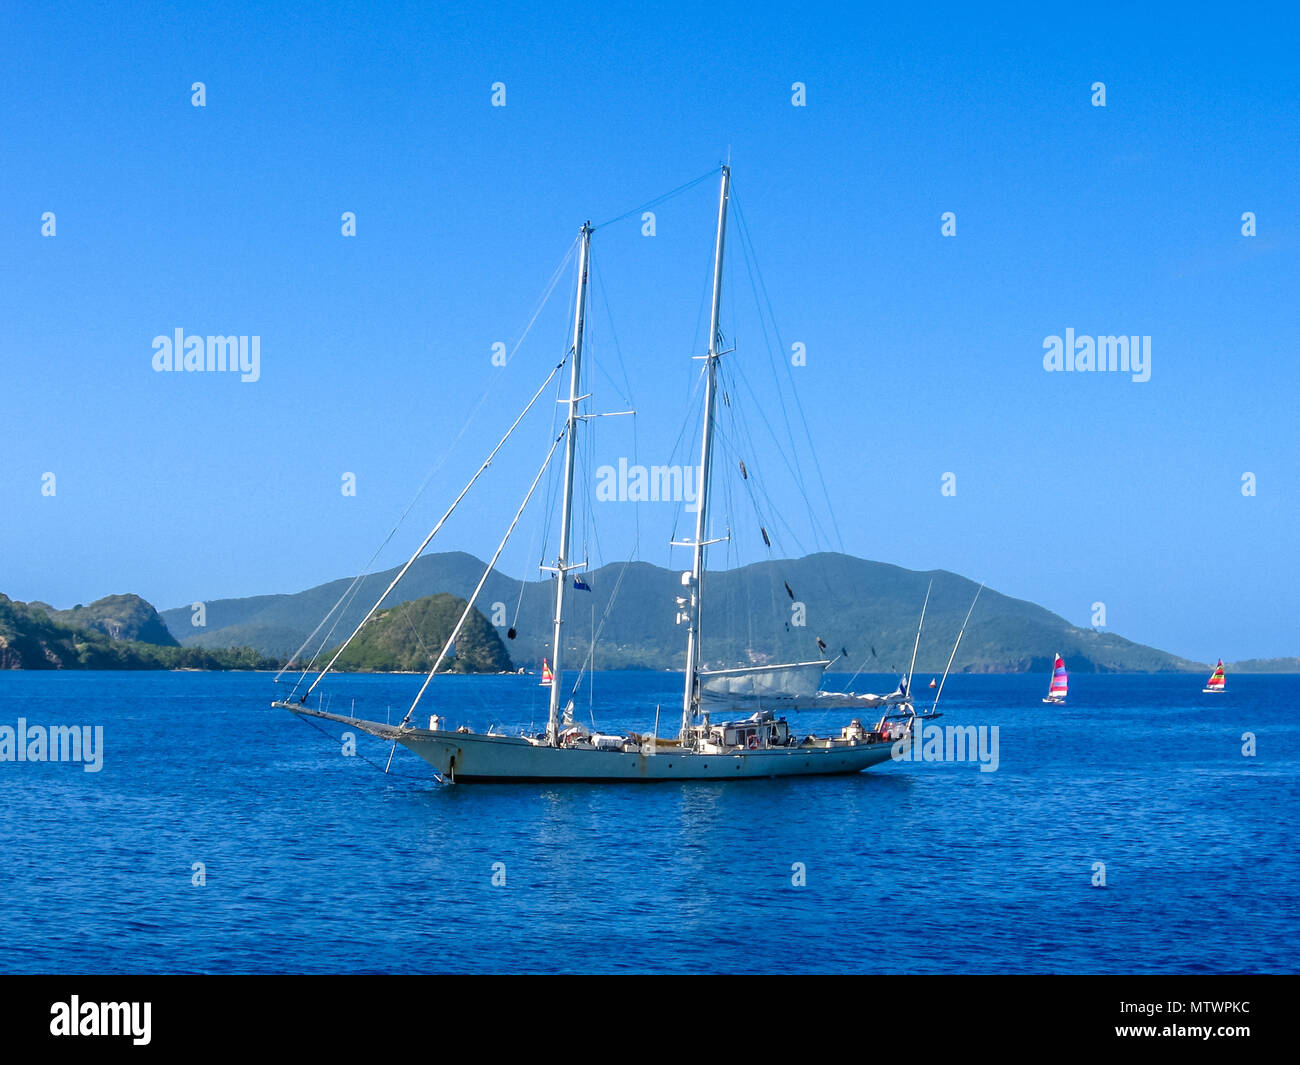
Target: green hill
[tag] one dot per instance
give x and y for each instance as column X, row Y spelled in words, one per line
column 408, row 638
column 31, row 638
column 119, row 617
column 278, row 624
column 868, row 608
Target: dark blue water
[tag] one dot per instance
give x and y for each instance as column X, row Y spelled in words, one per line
column 316, row 862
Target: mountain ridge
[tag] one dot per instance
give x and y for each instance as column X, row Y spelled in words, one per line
column 1264, row 665
column 773, row 610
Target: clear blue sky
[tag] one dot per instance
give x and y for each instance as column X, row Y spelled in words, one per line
column 924, row 352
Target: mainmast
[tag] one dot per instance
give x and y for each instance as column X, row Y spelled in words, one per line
column 696, row 576
column 562, row 566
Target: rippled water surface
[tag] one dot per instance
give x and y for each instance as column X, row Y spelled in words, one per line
column 317, row 862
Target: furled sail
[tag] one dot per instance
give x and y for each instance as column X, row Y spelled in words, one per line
column 790, row 680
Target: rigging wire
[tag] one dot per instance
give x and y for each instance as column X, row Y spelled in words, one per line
column 691, row 418
column 766, row 510
column 441, row 521
column 486, row 573
column 554, row 477
column 591, row 532
column 785, row 415
column 960, row 634
column 659, row 199
column 691, row 423
column 354, row 588
column 625, row 393
column 336, row 741
column 759, row 285
column 589, row 663
column 773, row 516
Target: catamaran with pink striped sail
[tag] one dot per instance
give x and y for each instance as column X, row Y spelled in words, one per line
column 1060, row 682
column 1217, row 682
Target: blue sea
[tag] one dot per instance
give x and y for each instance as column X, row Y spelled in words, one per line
column 223, row 836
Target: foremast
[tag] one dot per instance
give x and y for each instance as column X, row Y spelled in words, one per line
column 563, row 566
column 695, row 577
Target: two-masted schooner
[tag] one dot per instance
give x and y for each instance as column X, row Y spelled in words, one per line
column 760, row 744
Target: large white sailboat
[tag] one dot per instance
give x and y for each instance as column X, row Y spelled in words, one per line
column 760, row 744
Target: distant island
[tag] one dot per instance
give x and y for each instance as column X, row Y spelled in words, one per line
column 126, row 632
column 865, row 612
column 118, row 632
column 1265, row 665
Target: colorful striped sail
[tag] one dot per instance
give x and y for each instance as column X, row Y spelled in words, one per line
column 547, row 677
column 1218, row 679
column 1060, row 680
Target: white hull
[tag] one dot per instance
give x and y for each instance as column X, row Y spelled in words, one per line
column 1058, row 700
column 481, row 757
column 470, row 756
column 1213, row 691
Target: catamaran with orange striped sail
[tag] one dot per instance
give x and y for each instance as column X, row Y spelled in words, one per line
column 1060, row 682
column 1217, row 682
column 548, row 678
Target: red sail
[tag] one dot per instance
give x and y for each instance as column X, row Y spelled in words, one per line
column 1060, row 679
column 1217, row 679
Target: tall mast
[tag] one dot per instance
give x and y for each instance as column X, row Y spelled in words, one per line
column 562, row 566
column 706, row 457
